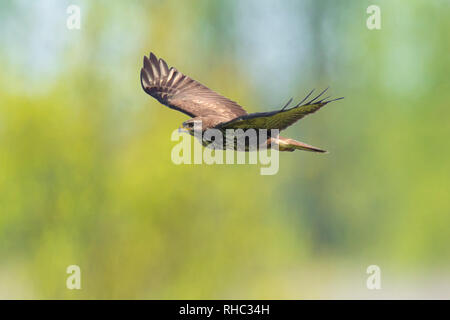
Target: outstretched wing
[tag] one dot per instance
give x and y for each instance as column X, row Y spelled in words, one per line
column 279, row 119
column 178, row 91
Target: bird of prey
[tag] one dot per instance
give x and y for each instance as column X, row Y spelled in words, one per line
column 180, row 92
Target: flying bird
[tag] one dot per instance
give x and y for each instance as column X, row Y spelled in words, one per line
column 214, row 111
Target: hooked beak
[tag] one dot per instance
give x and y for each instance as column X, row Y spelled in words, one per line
column 181, row 130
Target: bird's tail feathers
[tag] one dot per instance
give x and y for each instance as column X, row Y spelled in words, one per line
column 286, row 144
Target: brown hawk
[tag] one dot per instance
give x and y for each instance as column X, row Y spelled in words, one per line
column 180, row 92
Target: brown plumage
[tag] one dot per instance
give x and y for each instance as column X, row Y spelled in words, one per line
column 180, row 92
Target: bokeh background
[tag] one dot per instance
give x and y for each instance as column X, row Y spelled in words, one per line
column 86, row 176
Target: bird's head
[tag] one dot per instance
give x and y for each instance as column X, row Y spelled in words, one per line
column 191, row 125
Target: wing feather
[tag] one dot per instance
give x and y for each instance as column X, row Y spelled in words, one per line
column 279, row 119
column 180, row 92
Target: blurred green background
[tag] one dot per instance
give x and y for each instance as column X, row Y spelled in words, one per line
column 86, row 176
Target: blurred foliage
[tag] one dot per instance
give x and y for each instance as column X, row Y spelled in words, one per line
column 86, row 176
